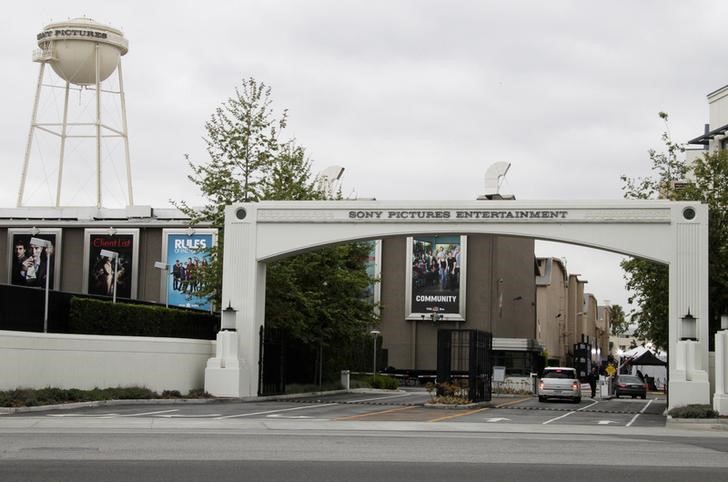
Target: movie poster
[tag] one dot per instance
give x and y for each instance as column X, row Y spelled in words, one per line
column 104, row 270
column 186, row 254
column 34, row 257
column 436, row 277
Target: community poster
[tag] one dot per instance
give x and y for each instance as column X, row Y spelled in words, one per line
column 186, row 253
column 104, row 271
column 436, row 277
column 31, row 263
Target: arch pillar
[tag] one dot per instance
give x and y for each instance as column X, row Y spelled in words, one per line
column 688, row 359
column 243, row 290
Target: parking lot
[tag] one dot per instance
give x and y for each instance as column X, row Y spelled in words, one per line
column 407, row 405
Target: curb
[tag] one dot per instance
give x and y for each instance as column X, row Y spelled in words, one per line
column 720, row 424
column 103, row 403
column 181, row 401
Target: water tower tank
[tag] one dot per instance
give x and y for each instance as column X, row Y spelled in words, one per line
column 70, row 47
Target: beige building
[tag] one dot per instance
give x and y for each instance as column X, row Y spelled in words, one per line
column 566, row 315
column 715, row 135
column 552, row 294
column 73, row 231
column 499, row 297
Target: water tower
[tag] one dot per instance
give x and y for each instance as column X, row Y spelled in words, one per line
column 83, row 54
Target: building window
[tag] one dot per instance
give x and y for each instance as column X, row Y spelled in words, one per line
column 517, row 363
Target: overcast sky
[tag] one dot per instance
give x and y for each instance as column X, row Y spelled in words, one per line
column 414, row 98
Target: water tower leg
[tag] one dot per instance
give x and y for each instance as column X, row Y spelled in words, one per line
column 125, row 133
column 28, row 147
column 63, row 145
column 98, row 128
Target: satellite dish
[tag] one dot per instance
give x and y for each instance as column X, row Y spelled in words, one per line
column 493, row 179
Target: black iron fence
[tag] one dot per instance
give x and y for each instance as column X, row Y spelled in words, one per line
column 466, row 354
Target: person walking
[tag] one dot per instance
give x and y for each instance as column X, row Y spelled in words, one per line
column 592, row 379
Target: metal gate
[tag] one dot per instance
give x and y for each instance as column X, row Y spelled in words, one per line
column 466, row 354
column 271, row 379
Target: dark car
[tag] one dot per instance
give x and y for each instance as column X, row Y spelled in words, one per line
column 630, row 385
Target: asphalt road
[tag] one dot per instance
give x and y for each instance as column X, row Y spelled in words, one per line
column 356, row 437
column 383, row 407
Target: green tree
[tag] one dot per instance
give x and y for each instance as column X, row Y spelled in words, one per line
column 242, row 141
column 617, row 320
column 316, row 297
column 707, row 182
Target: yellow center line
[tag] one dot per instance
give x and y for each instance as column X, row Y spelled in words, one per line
column 380, row 412
column 513, row 402
column 462, row 414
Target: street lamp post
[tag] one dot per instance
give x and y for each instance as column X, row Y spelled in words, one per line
column 115, row 256
column 375, row 334
column 43, row 243
column 165, row 270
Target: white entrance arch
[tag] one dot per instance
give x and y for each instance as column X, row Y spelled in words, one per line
column 674, row 233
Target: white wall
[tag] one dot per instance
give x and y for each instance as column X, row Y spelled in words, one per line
column 39, row 360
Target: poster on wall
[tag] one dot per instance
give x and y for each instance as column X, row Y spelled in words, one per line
column 110, row 258
column 30, row 252
column 436, row 277
column 185, row 253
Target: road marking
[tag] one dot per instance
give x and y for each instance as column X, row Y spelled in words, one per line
column 381, row 398
column 497, row 419
column 204, row 415
column 558, row 418
column 99, row 415
column 641, row 412
column 505, row 404
column 148, row 413
column 632, row 421
column 276, row 411
column 606, row 422
column 587, row 406
column 379, row 412
column 278, row 415
column 648, row 404
column 456, row 415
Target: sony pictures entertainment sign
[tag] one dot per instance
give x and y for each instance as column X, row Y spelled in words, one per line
column 431, row 215
column 535, row 214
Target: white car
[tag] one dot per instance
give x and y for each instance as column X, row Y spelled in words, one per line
column 559, row 382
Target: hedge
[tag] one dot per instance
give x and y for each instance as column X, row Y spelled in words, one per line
column 95, row 317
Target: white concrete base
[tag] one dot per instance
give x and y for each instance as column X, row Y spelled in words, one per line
column 39, row 360
column 223, row 377
column 688, row 392
column 720, row 404
column 222, row 382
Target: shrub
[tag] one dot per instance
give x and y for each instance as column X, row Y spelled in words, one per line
column 25, row 397
column 96, row 317
column 449, row 392
column 380, row 381
column 693, row 411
